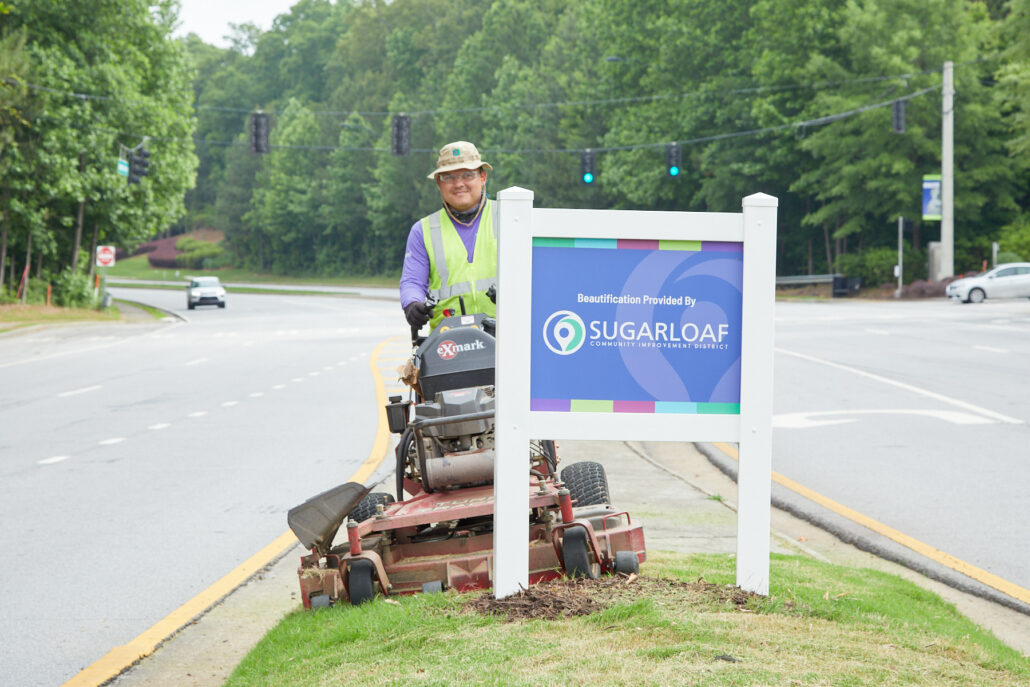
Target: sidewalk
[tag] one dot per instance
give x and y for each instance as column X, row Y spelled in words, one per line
column 685, row 504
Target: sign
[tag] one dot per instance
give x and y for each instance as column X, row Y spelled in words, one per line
column 123, row 167
column 932, row 204
column 628, row 325
column 636, row 326
column 105, row 256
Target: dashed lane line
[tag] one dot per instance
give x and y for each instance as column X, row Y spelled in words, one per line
column 76, row 392
column 51, row 461
column 121, row 657
column 111, row 442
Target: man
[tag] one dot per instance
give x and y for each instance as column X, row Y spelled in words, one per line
column 452, row 252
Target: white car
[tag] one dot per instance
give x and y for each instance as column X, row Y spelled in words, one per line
column 1010, row 280
column 205, row 291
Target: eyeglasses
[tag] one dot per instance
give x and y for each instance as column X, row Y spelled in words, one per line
column 453, row 177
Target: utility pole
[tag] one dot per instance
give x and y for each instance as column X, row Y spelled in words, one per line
column 900, row 267
column 947, row 268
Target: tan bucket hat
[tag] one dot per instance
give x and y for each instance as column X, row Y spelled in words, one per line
column 457, row 155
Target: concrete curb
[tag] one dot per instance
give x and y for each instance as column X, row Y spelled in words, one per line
column 864, row 539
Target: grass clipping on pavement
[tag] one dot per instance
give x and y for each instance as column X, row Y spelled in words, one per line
column 681, row 622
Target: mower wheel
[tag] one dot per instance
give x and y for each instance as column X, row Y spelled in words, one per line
column 361, row 581
column 366, row 508
column 587, row 483
column 626, row 562
column 320, row 601
column 576, row 555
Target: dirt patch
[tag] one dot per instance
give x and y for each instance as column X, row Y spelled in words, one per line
column 566, row 598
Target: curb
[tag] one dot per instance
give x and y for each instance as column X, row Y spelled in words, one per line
column 861, row 538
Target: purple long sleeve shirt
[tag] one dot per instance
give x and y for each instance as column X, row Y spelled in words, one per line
column 415, row 273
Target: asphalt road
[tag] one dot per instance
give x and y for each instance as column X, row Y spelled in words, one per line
column 141, row 463
column 914, row 414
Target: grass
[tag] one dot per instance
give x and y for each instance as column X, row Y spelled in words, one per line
column 138, row 268
column 17, row 316
column 821, row 625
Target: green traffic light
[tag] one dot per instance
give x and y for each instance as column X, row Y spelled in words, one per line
column 674, row 171
column 588, row 178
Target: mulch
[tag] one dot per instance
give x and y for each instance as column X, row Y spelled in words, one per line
column 565, row 598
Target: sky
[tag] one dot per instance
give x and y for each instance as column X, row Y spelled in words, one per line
column 210, row 19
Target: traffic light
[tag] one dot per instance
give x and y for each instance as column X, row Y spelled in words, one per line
column 898, row 116
column 143, row 161
column 586, row 166
column 400, row 141
column 135, row 168
column 259, row 133
column 672, row 159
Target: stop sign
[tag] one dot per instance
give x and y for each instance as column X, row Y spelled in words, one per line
column 105, row 256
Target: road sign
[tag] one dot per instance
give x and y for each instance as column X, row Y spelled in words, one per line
column 105, row 256
column 123, row 167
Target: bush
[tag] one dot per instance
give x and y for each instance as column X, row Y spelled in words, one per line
column 1015, row 239
column 1009, row 256
column 73, row 290
column 875, row 266
column 195, row 253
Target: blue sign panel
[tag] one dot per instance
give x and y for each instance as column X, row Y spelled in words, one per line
column 636, row 326
column 932, row 203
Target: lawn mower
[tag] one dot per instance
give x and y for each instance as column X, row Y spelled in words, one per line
column 438, row 534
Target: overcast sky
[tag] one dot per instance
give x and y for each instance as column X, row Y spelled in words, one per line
column 210, row 19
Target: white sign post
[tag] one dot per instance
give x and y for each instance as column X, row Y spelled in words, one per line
column 539, row 333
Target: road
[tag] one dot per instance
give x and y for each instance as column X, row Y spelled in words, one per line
column 141, row 463
column 914, row 414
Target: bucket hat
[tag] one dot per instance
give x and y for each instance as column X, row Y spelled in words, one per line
column 457, row 155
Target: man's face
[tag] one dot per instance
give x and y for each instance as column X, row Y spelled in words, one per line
column 459, row 192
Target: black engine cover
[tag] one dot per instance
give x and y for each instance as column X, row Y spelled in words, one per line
column 455, row 358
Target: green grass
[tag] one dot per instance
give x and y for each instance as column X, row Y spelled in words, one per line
column 821, row 625
column 138, row 268
column 16, row 316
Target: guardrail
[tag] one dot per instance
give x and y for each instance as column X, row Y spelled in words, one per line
column 803, row 279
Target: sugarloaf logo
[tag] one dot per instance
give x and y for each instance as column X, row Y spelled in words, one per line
column 564, row 332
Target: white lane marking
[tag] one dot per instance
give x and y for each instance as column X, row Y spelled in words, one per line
column 279, row 386
column 65, row 394
column 907, row 387
column 881, row 332
column 838, row 417
column 298, row 379
column 112, row 441
column 353, row 359
column 199, row 413
column 51, row 461
column 160, row 425
column 196, row 362
column 229, row 404
column 256, row 394
column 118, row 342
column 991, row 349
column 328, row 367
column 342, row 362
column 313, row 374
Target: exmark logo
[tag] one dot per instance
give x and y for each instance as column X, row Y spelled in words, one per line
column 448, row 349
column 564, row 332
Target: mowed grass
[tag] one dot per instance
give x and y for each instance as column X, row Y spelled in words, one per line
column 821, row 625
column 17, row 316
column 138, row 268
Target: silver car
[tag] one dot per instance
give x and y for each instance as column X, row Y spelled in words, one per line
column 205, row 291
column 1009, row 280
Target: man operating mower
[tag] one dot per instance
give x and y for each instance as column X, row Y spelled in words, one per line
column 452, row 252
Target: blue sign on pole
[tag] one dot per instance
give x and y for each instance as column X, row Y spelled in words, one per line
column 636, row 326
column 932, row 204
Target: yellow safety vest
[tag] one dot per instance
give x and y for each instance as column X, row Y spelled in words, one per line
column 454, row 275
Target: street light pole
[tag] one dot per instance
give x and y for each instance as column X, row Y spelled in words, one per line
column 947, row 268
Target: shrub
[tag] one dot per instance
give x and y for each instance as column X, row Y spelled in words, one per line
column 195, row 253
column 1009, row 256
column 73, row 290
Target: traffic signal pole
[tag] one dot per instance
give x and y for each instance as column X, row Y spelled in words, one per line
column 947, row 268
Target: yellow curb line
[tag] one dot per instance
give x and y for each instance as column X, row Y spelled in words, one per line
column 119, row 658
column 945, row 559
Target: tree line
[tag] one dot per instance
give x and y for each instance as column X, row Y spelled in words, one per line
column 532, row 83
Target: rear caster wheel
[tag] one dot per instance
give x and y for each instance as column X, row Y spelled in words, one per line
column 626, row 562
column 576, row 554
column 361, row 581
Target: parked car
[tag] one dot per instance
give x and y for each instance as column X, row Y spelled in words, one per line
column 205, row 291
column 1009, row 280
